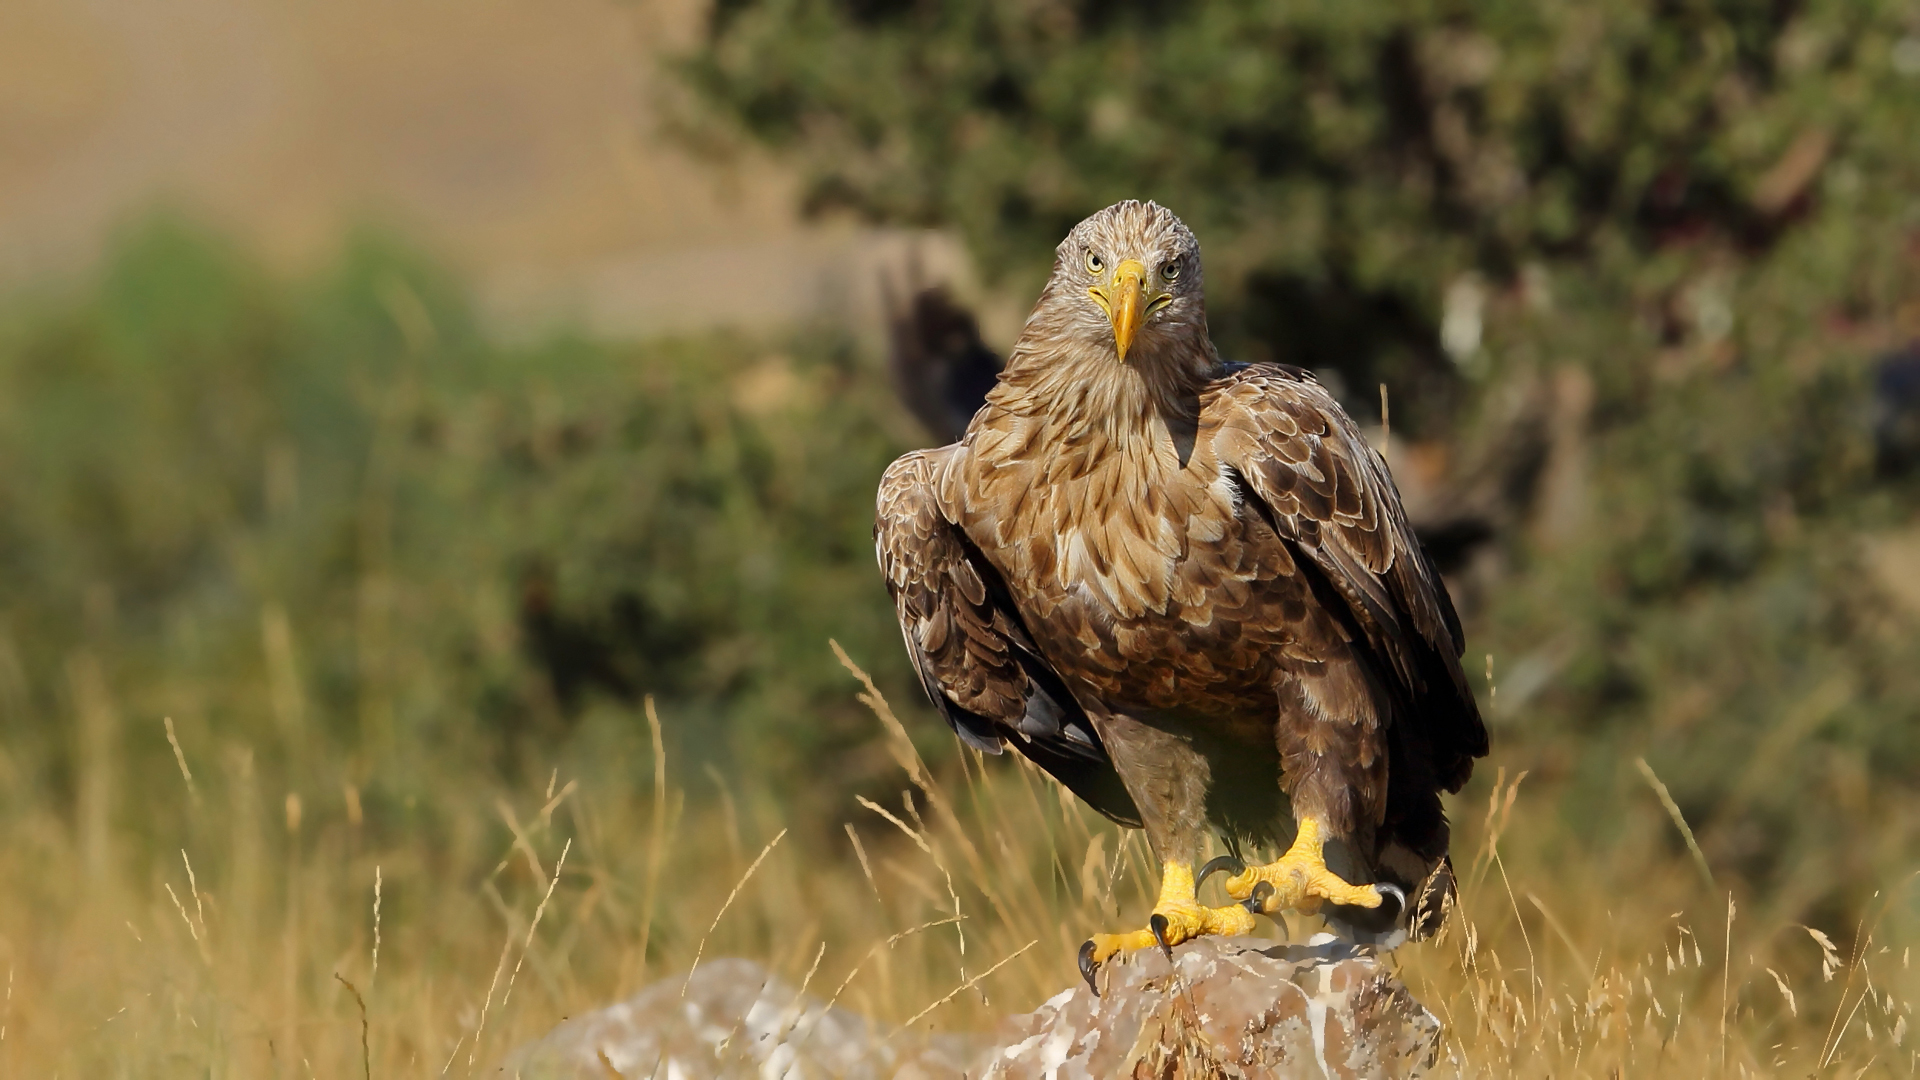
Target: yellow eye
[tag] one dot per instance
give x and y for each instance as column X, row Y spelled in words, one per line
column 1095, row 263
column 1171, row 271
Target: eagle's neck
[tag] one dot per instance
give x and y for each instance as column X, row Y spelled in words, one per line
column 1079, row 390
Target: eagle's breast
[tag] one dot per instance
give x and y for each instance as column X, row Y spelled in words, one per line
column 1132, row 565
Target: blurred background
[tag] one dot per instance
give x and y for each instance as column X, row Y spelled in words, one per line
column 394, row 396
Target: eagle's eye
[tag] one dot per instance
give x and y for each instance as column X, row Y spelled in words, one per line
column 1171, row 271
column 1095, row 263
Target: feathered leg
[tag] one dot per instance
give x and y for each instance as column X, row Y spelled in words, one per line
column 1168, row 780
column 1333, row 760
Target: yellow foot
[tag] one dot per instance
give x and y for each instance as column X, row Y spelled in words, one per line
column 1299, row 880
column 1177, row 917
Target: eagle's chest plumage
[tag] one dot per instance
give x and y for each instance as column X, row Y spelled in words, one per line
column 1136, row 567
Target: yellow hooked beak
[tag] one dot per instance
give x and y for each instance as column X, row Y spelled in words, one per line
column 1125, row 302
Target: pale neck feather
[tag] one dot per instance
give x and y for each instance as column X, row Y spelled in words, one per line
column 1063, row 378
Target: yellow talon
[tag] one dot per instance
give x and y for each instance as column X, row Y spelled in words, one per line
column 1177, row 917
column 1300, row 878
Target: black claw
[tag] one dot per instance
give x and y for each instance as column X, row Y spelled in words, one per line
column 1231, row 865
column 1159, row 925
column 1089, row 967
column 1396, row 894
column 1257, row 902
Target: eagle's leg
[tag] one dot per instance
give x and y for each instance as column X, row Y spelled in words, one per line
column 1300, row 878
column 1168, row 780
column 1331, row 738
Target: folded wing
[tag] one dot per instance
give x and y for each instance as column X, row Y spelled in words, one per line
column 1305, row 465
column 974, row 657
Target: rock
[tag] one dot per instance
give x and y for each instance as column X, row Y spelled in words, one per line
column 1226, row 1007
column 736, row 1020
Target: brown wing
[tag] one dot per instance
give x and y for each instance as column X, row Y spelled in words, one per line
column 975, row 660
column 1329, row 495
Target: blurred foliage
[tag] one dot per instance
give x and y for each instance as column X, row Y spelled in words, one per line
column 1342, row 163
column 1624, row 266
column 333, row 526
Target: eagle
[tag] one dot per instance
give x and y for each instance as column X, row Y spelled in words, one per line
column 1187, row 590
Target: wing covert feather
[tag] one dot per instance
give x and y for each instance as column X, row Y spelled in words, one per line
column 1328, row 493
column 974, row 658
column 963, row 658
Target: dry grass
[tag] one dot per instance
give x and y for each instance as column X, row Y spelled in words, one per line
column 956, row 901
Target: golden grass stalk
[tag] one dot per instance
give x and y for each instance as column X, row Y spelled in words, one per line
column 374, row 975
column 657, row 832
column 534, row 925
column 963, row 987
column 366, row 1049
column 1679, row 821
column 741, row 884
column 180, row 758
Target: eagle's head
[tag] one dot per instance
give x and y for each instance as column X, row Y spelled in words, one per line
column 1129, row 277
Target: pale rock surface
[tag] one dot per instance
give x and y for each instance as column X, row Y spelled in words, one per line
column 1223, row 1008
column 735, row 1020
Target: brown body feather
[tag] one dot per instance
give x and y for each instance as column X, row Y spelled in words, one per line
column 1190, row 592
